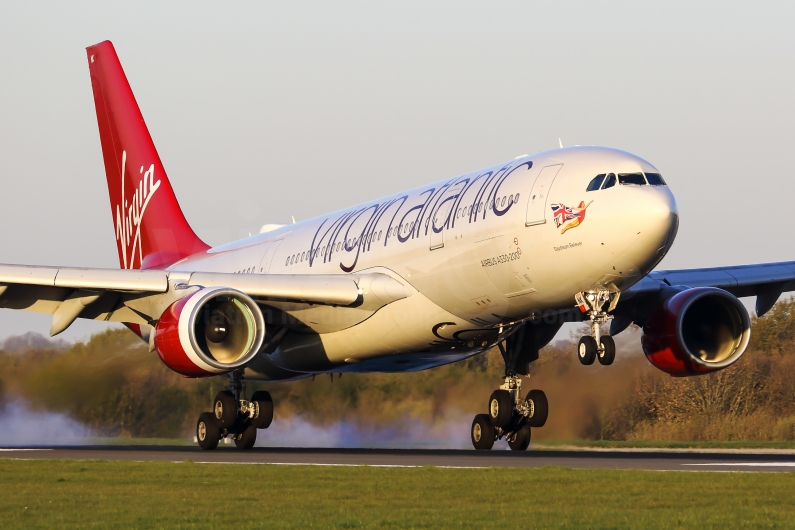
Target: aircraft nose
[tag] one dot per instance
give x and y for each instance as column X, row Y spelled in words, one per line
column 656, row 222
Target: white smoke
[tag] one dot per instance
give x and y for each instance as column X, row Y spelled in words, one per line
column 448, row 432
column 23, row 426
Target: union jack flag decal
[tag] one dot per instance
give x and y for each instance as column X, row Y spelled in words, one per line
column 569, row 216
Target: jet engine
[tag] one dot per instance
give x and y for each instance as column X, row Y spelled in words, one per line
column 212, row 331
column 696, row 331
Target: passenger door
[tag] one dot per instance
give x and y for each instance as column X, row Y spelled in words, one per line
column 440, row 220
column 267, row 258
column 537, row 204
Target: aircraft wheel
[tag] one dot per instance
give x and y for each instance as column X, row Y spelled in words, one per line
column 521, row 439
column 265, row 405
column 482, row 432
column 207, row 431
column 586, row 350
column 540, row 408
column 247, row 438
column 225, row 408
column 608, row 353
column 501, row 408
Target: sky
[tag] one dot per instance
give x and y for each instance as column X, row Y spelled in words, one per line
column 264, row 111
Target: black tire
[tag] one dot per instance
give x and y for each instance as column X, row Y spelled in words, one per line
column 265, row 407
column 586, row 350
column 540, row 408
column 482, row 432
column 501, row 408
column 521, row 439
column 207, row 431
column 608, row 355
column 247, row 438
column 225, row 409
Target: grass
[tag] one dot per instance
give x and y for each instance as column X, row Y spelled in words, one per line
column 557, row 444
column 87, row 493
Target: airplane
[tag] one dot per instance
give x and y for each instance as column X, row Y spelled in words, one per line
column 500, row 257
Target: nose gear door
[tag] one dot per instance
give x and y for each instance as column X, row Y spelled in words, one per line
column 537, row 204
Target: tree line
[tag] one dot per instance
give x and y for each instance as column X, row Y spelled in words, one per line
column 113, row 386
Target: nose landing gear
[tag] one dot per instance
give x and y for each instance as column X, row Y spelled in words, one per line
column 598, row 346
column 235, row 417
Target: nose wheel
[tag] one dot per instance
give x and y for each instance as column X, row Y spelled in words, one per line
column 597, row 346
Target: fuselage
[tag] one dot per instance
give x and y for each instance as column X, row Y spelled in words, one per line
column 479, row 251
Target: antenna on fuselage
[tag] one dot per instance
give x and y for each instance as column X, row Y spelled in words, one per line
column 293, row 218
column 560, row 143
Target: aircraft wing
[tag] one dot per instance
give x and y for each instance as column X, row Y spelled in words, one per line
column 766, row 281
column 139, row 296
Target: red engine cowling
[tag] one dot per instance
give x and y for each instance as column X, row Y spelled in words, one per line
column 696, row 331
column 212, row 331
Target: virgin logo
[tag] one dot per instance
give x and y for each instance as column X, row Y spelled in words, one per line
column 130, row 213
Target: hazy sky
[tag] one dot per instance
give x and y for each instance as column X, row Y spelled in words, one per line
column 267, row 110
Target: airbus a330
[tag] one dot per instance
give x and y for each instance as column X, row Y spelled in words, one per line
column 498, row 257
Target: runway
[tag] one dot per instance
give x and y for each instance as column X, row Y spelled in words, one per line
column 588, row 459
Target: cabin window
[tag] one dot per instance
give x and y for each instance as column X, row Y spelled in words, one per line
column 631, row 179
column 595, row 183
column 379, row 235
column 655, row 179
column 516, row 199
column 610, row 181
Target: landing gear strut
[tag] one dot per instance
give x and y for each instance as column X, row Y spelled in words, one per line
column 234, row 416
column 596, row 346
column 511, row 416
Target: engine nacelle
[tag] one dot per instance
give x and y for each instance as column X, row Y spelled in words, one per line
column 696, row 331
column 212, row 331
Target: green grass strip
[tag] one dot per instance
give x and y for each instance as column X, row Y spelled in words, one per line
column 121, row 494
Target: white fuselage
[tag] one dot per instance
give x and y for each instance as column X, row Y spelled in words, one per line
column 478, row 251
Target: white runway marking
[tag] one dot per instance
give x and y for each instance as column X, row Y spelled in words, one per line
column 23, row 449
column 331, row 465
column 748, row 464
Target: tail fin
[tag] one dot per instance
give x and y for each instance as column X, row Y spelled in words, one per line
column 151, row 231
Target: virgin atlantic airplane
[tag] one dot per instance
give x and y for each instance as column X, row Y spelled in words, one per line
column 497, row 257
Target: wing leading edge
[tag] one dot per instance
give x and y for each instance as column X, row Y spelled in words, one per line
column 766, row 281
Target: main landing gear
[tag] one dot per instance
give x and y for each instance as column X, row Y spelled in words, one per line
column 511, row 416
column 598, row 346
column 233, row 416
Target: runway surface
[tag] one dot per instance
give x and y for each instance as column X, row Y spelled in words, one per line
column 596, row 459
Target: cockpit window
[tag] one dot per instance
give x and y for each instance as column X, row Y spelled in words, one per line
column 610, row 181
column 595, row 183
column 635, row 179
column 655, row 179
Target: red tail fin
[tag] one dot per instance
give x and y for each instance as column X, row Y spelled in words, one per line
column 151, row 231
